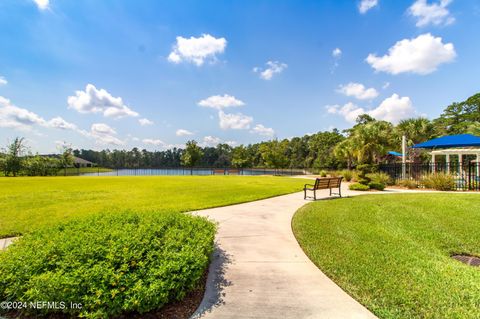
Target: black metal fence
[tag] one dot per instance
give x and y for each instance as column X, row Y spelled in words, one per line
column 465, row 175
column 99, row 171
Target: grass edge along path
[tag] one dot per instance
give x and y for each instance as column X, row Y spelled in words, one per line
column 28, row 203
column 392, row 252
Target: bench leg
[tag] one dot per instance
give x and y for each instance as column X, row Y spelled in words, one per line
column 340, row 191
column 304, row 194
column 330, row 192
column 315, row 194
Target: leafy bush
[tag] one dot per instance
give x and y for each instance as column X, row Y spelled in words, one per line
column 408, row 183
column 334, row 173
column 365, row 169
column 323, row 173
column 358, row 187
column 41, row 166
column 380, row 178
column 347, row 175
column 439, row 181
column 376, row 185
column 115, row 263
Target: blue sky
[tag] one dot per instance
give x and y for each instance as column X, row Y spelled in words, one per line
column 154, row 74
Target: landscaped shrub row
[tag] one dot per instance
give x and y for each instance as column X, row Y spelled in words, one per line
column 111, row 264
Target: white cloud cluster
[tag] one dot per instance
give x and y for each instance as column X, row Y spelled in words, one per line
column 42, row 4
column 358, row 91
column 154, row 142
column 104, row 134
column 3, row 81
column 212, row 141
column 337, row 53
column 392, row 109
column 260, row 129
column 220, row 102
column 421, row 55
column 60, row 123
column 366, row 5
column 435, row 13
column 234, row 121
column 197, row 50
column 183, row 132
column 145, row 122
column 93, row 100
column 15, row 117
column 273, row 67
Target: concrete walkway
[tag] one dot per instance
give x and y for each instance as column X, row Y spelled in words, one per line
column 5, row 242
column 260, row 271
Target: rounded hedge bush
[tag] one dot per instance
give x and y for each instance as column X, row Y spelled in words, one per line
column 358, row 187
column 111, row 264
column 377, row 186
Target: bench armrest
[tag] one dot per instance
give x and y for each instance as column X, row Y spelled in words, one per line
column 308, row 185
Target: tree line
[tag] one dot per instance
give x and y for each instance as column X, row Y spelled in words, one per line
column 367, row 142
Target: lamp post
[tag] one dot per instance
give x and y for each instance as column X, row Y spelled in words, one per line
column 404, row 157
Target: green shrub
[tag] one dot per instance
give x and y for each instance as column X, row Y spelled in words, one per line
column 363, row 170
column 380, row 178
column 334, row 173
column 347, row 175
column 376, row 185
column 358, row 187
column 323, row 173
column 439, row 181
column 408, row 183
column 111, row 264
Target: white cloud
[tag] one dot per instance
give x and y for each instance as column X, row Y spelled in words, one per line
column 197, row 50
column 337, row 53
column 392, row 109
column 262, row 130
column 104, row 134
column 42, row 4
column 15, row 117
column 3, row 81
column 237, row 121
column 366, row 5
column 145, row 122
column 155, row 142
column 231, row 143
column 182, row 132
column 211, row 141
column 358, row 91
column 60, row 123
column 93, row 100
column 435, row 13
column 386, row 85
column 349, row 111
column 421, row 55
column 273, row 67
column 220, row 102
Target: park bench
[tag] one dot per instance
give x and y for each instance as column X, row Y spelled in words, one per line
column 218, row 172
column 323, row 183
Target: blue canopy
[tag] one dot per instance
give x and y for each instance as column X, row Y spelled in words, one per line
column 462, row 140
column 395, row 153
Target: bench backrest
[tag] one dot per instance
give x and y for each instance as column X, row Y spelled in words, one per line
column 328, row 182
column 233, row 171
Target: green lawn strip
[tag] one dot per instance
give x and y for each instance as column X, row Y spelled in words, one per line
column 27, row 203
column 392, row 252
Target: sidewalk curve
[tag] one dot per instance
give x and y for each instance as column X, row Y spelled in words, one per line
column 260, row 271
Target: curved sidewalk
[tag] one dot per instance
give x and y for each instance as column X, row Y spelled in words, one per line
column 260, row 271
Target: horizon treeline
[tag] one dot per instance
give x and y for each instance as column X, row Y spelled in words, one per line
column 368, row 141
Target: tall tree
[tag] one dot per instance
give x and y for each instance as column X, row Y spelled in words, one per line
column 14, row 158
column 192, row 154
column 274, row 153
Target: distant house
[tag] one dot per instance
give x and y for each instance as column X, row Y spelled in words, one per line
column 80, row 162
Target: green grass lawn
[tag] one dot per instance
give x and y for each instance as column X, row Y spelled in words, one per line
column 392, row 252
column 27, row 203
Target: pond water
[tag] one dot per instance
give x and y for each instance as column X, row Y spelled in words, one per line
column 195, row 171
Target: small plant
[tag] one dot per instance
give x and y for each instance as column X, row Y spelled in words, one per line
column 347, row 175
column 358, row 187
column 323, row 173
column 408, row 183
column 439, row 182
column 377, row 186
column 380, row 178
